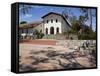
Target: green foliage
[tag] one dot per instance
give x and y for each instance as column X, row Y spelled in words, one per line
column 76, row 26
column 69, row 32
column 91, row 36
column 81, row 19
column 23, row 22
column 86, row 31
column 41, row 35
column 72, row 32
column 38, row 34
column 85, row 12
column 73, row 19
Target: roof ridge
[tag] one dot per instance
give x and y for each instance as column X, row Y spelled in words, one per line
column 59, row 15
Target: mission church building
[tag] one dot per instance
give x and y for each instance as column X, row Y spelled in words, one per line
column 53, row 23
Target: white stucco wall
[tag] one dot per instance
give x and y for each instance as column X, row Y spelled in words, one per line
column 54, row 24
column 40, row 27
column 28, row 30
column 61, row 24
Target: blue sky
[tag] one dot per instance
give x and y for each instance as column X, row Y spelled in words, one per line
column 36, row 12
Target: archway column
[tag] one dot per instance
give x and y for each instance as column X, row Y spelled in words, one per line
column 48, row 30
column 60, row 31
column 55, row 32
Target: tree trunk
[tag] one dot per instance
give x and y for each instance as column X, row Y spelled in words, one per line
column 90, row 18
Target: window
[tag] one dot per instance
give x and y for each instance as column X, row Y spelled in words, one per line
column 47, row 21
column 51, row 20
column 57, row 30
column 46, row 30
column 56, row 20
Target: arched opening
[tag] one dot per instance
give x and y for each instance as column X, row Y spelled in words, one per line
column 46, row 30
column 52, row 30
column 57, row 30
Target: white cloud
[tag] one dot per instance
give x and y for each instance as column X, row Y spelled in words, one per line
column 25, row 16
column 28, row 15
column 51, row 9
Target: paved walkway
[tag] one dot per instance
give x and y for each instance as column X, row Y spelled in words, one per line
column 50, row 57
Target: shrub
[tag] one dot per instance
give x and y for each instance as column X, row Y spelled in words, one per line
column 91, row 36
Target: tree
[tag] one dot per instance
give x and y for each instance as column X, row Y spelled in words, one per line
column 67, row 13
column 81, row 20
column 87, row 13
column 38, row 34
column 73, row 19
column 23, row 22
column 76, row 26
